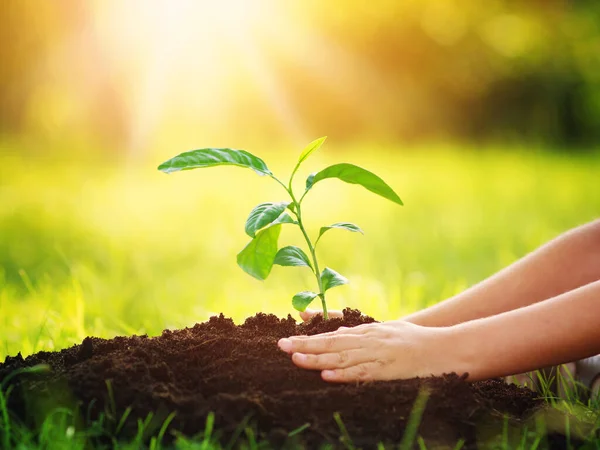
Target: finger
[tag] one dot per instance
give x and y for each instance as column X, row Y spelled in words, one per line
column 360, row 329
column 310, row 313
column 306, row 315
column 338, row 360
column 320, row 343
column 361, row 372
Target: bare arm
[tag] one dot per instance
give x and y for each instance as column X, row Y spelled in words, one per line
column 561, row 329
column 565, row 263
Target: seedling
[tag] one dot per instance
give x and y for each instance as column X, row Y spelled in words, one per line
column 265, row 220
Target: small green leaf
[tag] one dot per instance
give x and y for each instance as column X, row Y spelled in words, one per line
column 314, row 145
column 343, row 225
column 302, row 299
column 310, row 180
column 330, row 278
column 284, row 218
column 292, row 256
column 355, row 175
column 256, row 259
column 292, row 207
column 262, row 215
column 210, row 157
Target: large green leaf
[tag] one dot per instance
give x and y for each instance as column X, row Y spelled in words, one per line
column 313, row 146
column 209, row 157
column 262, row 215
column 292, row 256
column 301, row 300
column 355, row 175
column 330, row 278
column 344, row 226
column 257, row 257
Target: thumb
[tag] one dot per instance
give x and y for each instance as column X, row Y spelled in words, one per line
column 310, row 313
column 307, row 314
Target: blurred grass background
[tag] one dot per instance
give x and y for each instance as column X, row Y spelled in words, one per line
column 483, row 117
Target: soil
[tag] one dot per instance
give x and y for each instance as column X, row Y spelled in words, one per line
column 238, row 373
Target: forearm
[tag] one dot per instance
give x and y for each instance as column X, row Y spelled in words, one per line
column 568, row 262
column 564, row 328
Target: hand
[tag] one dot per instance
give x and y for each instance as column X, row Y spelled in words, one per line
column 375, row 351
column 310, row 313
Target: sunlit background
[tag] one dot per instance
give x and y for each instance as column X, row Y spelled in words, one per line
column 483, row 116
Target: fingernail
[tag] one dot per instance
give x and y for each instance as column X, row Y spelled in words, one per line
column 328, row 374
column 285, row 345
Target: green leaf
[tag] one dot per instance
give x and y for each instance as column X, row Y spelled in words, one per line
column 310, row 180
column 292, row 207
column 284, row 218
column 314, row 145
column 343, row 225
column 262, row 215
column 257, row 257
column 330, row 278
column 292, row 256
column 355, row 175
column 209, row 157
column 302, row 299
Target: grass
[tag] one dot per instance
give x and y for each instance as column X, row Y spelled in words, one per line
column 113, row 249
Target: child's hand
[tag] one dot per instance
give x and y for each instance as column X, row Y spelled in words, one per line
column 310, row 313
column 375, row 351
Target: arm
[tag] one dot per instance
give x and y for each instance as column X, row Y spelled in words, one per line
column 564, row 328
column 568, row 262
column 555, row 331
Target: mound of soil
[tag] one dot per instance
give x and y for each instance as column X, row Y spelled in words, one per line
column 238, row 372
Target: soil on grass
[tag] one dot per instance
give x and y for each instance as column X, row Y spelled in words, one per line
column 238, row 373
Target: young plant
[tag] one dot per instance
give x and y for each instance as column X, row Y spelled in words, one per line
column 265, row 220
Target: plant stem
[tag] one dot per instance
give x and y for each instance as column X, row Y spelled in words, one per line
column 281, row 183
column 312, row 252
column 311, row 247
column 315, row 262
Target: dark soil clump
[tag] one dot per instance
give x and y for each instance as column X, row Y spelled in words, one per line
column 238, row 372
